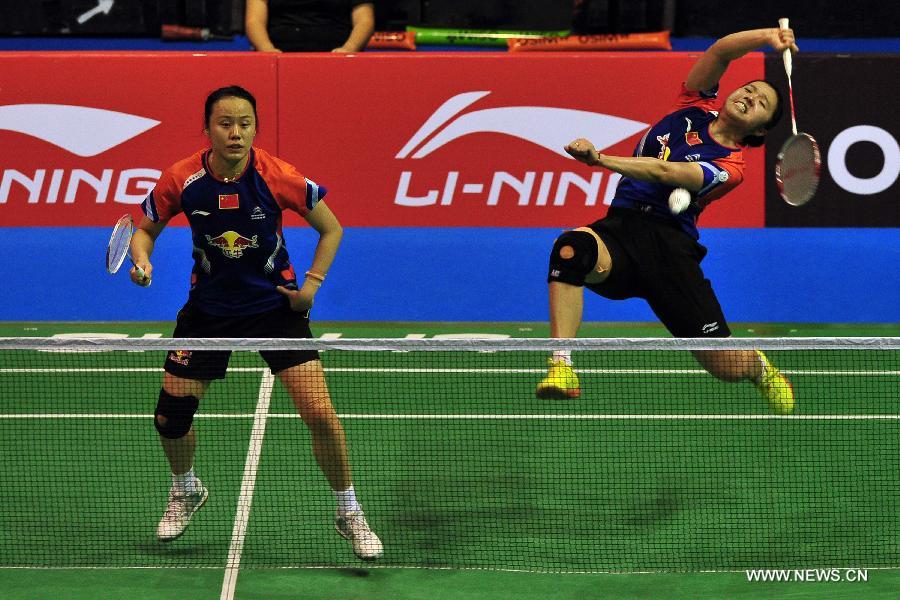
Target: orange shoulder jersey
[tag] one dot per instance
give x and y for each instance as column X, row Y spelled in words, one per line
column 683, row 136
column 239, row 249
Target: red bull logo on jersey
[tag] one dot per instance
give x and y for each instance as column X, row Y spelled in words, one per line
column 664, row 149
column 232, row 244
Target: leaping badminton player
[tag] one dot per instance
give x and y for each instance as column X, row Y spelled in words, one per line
column 646, row 248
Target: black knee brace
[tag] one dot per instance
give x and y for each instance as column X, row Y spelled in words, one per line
column 574, row 255
column 175, row 414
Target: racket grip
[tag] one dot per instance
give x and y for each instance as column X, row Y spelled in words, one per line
column 786, row 55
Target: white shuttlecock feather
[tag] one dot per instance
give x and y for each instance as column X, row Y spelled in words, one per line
column 679, row 200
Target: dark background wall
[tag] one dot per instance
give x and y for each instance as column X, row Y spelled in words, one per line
column 685, row 18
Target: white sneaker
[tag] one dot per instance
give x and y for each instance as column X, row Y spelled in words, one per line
column 179, row 510
column 353, row 527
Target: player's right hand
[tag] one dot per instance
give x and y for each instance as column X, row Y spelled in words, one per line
column 583, row 150
column 782, row 39
column 148, row 271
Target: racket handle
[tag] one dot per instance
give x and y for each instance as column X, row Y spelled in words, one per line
column 786, row 55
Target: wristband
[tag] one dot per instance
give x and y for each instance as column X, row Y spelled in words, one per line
column 315, row 275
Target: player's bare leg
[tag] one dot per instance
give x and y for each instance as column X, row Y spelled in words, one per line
column 566, row 311
column 306, row 385
column 566, row 306
column 187, row 494
column 180, row 452
column 752, row 365
column 730, row 365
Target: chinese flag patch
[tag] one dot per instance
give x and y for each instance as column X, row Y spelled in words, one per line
column 228, row 201
column 691, row 137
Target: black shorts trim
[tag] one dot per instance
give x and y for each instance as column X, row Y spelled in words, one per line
column 654, row 259
column 205, row 365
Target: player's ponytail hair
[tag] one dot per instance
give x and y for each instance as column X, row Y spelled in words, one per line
column 755, row 141
column 234, row 91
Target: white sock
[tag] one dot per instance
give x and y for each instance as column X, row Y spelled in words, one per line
column 564, row 355
column 186, row 483
column 346, row 501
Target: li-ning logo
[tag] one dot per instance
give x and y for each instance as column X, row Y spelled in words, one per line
column 82, row 130
column 546, row 126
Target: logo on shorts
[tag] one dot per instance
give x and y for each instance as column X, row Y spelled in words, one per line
column 232, row 244
column 182, row 357
column 710, row 327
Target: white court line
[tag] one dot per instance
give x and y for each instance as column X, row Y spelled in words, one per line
column 497, row 370
column 481, row 417
column 248, row 482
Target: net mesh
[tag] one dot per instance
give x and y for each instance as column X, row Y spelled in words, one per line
column 656, row 466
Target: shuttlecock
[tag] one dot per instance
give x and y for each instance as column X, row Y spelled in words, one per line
column 679, row 200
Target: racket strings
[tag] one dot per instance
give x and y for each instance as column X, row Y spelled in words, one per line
column 798, row 169
column 119, row 244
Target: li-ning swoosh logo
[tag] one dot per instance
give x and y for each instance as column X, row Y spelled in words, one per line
column 81, row 130
column 549, row 127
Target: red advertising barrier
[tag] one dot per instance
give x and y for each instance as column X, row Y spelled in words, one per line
column 88, row 134
column 399, row 140
column 450, row 140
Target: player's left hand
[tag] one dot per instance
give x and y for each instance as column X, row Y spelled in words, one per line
column 301, row 300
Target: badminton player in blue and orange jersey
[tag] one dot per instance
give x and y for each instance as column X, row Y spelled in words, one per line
column 647, row 246
column 243, row 285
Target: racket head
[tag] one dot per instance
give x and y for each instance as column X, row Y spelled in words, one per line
column 119, row 243
column 797, row 169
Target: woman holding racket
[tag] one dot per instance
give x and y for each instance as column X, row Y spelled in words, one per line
column 243, row 285
column 646, row 246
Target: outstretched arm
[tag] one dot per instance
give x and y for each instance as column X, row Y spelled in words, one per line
column 707, row 71
column 686, row 175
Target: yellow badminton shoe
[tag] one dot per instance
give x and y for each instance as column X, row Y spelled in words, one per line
column 560, row 383
column 775, row 387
